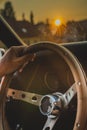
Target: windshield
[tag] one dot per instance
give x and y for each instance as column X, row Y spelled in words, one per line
column 47, row 20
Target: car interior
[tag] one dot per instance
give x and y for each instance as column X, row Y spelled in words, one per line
column 50, row 93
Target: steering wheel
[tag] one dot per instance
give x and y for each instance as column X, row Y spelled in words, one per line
column 51, row 105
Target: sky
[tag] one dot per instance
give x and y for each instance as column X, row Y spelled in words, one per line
column 51, row 9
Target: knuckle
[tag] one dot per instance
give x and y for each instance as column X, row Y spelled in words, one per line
column 12, row 49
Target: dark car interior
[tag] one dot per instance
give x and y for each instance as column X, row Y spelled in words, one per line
column 51, row 77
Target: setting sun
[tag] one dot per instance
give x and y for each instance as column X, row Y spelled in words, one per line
column 57, row 22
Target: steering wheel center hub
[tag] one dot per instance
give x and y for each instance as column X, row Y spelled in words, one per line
column 50, row 105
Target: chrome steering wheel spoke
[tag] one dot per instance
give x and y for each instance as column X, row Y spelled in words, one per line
column 69, row 94
column 50, row 123
column 28, row 97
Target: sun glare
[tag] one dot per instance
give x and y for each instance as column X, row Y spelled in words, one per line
column 57, row 22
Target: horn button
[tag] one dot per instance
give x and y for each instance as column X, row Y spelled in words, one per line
column 51, row 105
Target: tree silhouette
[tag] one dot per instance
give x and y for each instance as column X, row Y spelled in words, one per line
column 32, row 18
column 8, row 11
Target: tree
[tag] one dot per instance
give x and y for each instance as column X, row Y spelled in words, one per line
column 8, row 11
column 31, row 18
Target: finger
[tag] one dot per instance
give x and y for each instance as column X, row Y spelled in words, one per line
column 23, row 66
column 18, row 50
column 23, row 61
column 25, row 58
column 26, row 62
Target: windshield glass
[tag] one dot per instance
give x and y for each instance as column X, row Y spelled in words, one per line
column 47, row 20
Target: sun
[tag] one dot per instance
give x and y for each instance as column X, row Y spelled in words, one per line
column 57, row 22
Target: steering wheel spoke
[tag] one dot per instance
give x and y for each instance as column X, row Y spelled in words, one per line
column 69, row 94
column 50, row 123
column 28, row 97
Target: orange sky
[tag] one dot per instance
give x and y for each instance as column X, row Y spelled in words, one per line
column 52, row 9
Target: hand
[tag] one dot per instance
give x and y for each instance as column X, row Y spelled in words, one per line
column 15, row 58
